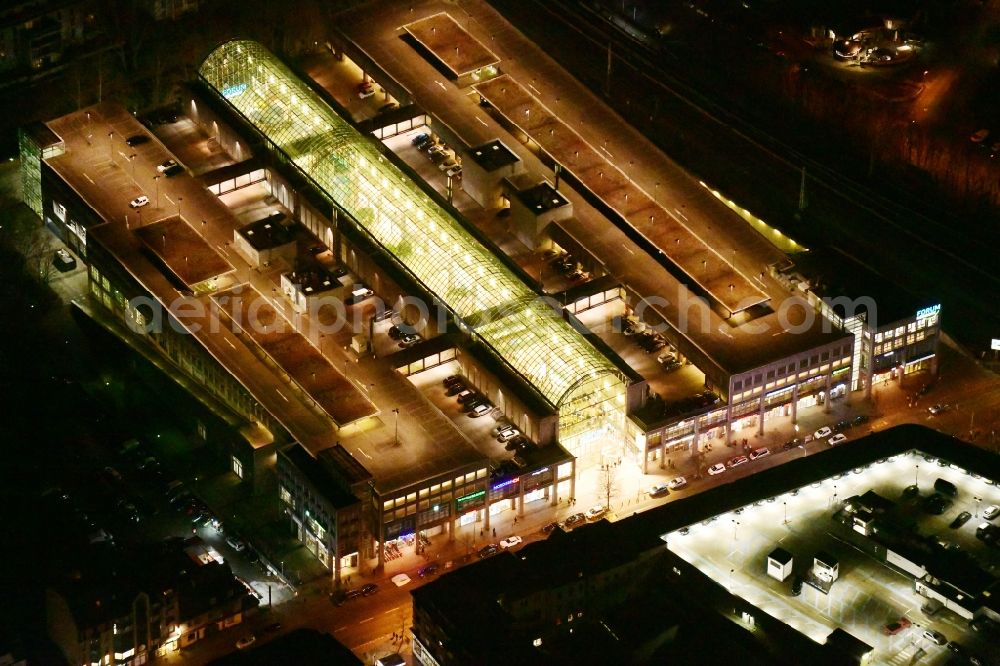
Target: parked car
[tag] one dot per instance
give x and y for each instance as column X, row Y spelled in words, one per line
column 366, row 89
column 960, row 520
column 859, row 419
column 236, row 543
column 136, row 140
column 575, row 520
column 507, row 435
column 271, row 628
column 841, row 426
column 455, row 389
column 759, row 453
column 979, row 136
column 429, row 570
column 823, row 432
column 421, row 139
column 510, row 542
column 946, row 487
column 167, row 166
column 451, row 380
column 837, row 439
column 409, row 339
column 987, row 533
column 481, row 409
column 550, row 527
column 797, row 586
column 937, row 409
column 677, row 482
column 936, row 504
column 454, row 172
column 717, row 468
column 369, row 589
column 246, row 642
column 791, row 444
column 736, row 461
column 63, row 260
column 935, row 637
column 596, row 511
column 893, row 628
column 488, row 551
column 991, row 512
column 659, row 490
column 139, row 201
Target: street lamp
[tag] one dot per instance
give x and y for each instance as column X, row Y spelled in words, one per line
column 784, row 505
column 916, row 471
column 978, row 500
column 156, row 183
column 396, row 435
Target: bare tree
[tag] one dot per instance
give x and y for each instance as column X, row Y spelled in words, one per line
column 608, row 483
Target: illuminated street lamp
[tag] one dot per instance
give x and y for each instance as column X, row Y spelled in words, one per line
column 395, row 437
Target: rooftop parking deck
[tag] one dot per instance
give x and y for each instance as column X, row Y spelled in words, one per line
column 663, row 228
column 732, row 550
column 183, row 251
column 457, row 49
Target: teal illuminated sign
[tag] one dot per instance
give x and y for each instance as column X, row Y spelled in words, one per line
column 927, row 312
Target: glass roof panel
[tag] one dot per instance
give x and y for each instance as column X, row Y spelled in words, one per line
column 428, row 241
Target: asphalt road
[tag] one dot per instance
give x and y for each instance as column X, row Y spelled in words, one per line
column 904, row 246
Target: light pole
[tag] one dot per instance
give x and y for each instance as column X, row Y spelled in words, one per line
column 156, row 183
column 395, row 437
column 784, row 505
column 978, row 500
column 916, row 471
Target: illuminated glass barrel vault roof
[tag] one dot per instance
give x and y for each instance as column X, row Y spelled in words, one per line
column 430, row 243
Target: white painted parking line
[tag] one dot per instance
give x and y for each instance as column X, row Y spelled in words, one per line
column 282, row 395
column 230, row 343
column 678, row 211
column 443, row 86
column 483, row 122
column 87, row 176
column 607, row 152
column 367, row 619
column 537, row 91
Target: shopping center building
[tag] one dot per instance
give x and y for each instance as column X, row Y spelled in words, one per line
column 478, row 314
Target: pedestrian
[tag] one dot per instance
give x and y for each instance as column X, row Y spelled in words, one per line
column 480, row 531
column 515, row 520
column 494, row 533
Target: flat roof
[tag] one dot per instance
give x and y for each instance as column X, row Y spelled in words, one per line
column 493, row 155
column 541, row 198
column 451, row 44
column 320, row 476
column 315, row 280
column 183, row 250
column 106, row 186
column 273, row 231
column 661, row 227
column 312, row 372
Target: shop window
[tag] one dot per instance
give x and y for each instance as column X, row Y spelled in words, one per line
column 237, row 467
column 770, row 374
column 802, row 363
column 285, row 495
column 738, row 385
column 825, row 356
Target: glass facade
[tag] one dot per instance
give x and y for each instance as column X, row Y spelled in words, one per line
column 433, row 246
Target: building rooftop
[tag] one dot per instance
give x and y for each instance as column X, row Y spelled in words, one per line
column 445, row 39
column 493, row 155
column 541, row 198
column 182, row 251
column 430, row 242
column 326, row 481
column 273, row 231
column 663, row 229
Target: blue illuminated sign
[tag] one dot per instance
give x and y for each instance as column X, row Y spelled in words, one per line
column 230, row 92
column 927, row 312
column 504, row 484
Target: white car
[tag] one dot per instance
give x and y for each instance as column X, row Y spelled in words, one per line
column 510, row 542
column 823, row 432
column 454, row 171
column 480, row 410
column 139, row 201
column 677, row 483
column 164, row 166
column 596, row 511
column 236, row 544
column 757, row 454
column 717, row 468
column 507, row 435
column 837, row 439
column 991, row 512
column 659, row 489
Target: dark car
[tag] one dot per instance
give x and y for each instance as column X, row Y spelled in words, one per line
column 136, row 140
column 549, row 528
column 841, row 426
column 936, row 504
column 960, row 520
column 488, row 551
column 791, row 444
column 451, row 380
column 911, row 492
column 429, row 570
column 369, row 589
column 455, row 389
column 945, row 487
column 859, row 419
column 575, row 519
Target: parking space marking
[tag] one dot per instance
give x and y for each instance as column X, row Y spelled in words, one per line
column 484, row 123
column 443, row 86
column 281, row 394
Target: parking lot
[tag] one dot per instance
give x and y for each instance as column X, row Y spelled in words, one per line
column 732, row 549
